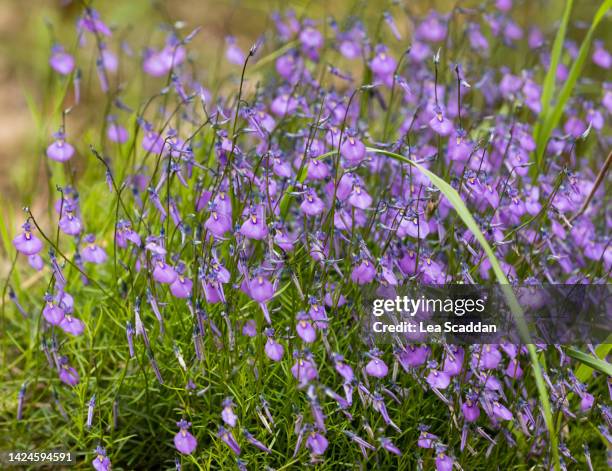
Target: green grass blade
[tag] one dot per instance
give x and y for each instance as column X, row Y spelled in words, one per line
column 464, row 213
column 549, row 82
column 554, row 115
column 592, row 362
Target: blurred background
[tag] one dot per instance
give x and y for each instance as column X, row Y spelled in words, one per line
column 30, row 110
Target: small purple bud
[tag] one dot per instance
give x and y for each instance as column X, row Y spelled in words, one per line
column 61, row 61
column 227, row 438
column 90, row 411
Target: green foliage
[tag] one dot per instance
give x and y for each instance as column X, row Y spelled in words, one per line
column 551, row 114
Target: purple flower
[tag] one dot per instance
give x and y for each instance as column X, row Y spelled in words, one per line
column 274, row 350
column 388, row 445
column 470, row 410
column 489, row 357
column 260, row 289
column 255, row 226
column 51, row 312
column 454, row 364
column 163, row 273
column 61, row 61
column 249, row 328
column 59, row 150
column 311, row 38
column 117, row 133
column 233, row 53
column 72, row 325
column 160, row 63
column 444, row 462
column 536, row 38
column 376, row 368
column 26, row 242
column 477, row 40
column 125, row 234
column 284, row 105
column 152, row 142
column 426, row 439
column 601, row 57
column 181, row 287
column 227, row 438
column 359, row 197
column 353, row 150
column 343, row 369
column 586, row 401
column 440, row 124
column 312, row 204
column 183, row 440
column 109, row 60
column 438, row 379
column 411, row 356
column 316, row 443
column 70, row 224
column 431, row 29
column 36, row 262
column 253, row 441
column 304, row 370
column 67, row 374
column 383, row 65
column 305, row 329
column 101, row 462
column 218, row 223
column 93, row 253
column 363, row 273
column 501, row 412
column 316, row 169
column 227, row 414
column 91, row 22
column 514, row 369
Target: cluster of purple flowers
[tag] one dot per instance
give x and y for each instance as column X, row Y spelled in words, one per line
column 234, row 201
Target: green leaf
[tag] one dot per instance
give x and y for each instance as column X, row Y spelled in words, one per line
column 466, row 216
column 554, row 115
column 549, row 82
column 550, row 117
column 591, row 362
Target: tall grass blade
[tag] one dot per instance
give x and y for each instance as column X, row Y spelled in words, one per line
column 554, row 115
column 591, row 362
column 464, row 213
column 550, row 117
column 549, row 81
